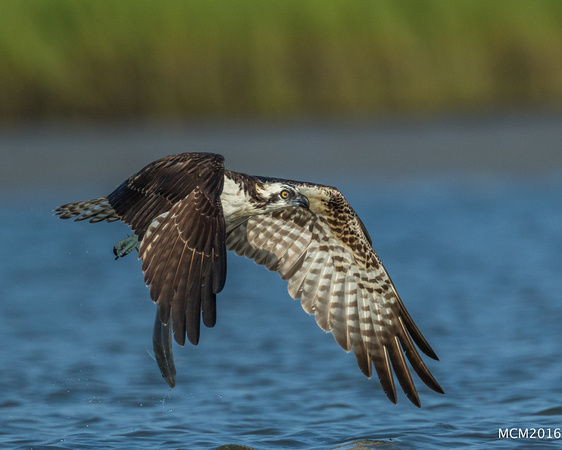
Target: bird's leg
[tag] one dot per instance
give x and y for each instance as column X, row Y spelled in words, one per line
column 125, row 246
column 162, row 345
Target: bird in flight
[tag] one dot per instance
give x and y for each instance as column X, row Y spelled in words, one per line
column 187, row 210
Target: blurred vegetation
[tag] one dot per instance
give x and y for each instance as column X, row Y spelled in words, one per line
column 281, row 58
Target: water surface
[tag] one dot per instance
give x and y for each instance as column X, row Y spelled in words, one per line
column 478, row 268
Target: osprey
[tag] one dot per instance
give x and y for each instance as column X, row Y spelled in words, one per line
column 187, row 210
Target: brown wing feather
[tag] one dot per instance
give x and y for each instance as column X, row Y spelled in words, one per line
column 327, row 258
column 163, row 183
column 173, row 205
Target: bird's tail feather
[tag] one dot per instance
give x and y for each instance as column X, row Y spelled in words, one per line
column 97, row 210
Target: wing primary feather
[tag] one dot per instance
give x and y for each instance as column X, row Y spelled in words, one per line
column 384, row 372
column 352, row 333
column 181, row 301
column 178, row 322
column 177, row 293
column 193, row 301
column 208, row 298
column 311, row 279
column 416, row 362
column 402, row 372
column 412, row 328
column 219, row 259
column 219, row 271
column 299, row 285
column 337, row 311
column 322, row 304
column 367, row 333
column 363, row 359
column 416, row 334
column 158, row 268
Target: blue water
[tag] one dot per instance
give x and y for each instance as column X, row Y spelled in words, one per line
column 478, row 263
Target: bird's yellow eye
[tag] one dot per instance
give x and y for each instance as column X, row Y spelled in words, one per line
column 285, row 194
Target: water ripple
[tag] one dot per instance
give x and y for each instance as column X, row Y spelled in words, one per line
column 478, row 270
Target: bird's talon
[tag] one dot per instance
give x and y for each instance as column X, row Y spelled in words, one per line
column 125, row 246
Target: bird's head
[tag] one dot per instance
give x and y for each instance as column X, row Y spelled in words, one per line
column 278, row 195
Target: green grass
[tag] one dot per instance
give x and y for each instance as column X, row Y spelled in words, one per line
column 255, row 58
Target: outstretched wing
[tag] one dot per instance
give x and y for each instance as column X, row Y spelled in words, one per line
column 326, row 256
column 173, row 205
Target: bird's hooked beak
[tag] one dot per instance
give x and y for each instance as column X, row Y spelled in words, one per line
column 302, row 201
